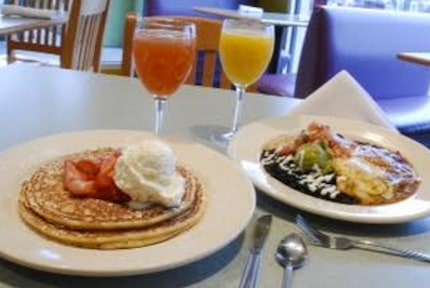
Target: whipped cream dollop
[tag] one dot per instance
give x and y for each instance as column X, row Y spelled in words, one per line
column 147, row 173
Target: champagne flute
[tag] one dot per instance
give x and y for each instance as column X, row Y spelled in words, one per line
column 246, row 47
column 163, row 52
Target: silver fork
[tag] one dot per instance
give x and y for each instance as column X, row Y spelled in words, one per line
column 321, row 239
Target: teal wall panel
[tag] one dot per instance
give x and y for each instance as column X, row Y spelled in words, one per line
column 115, row 25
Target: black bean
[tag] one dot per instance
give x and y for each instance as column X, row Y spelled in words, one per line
column 292, row 176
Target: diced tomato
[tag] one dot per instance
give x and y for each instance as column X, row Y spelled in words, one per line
column 287, row 150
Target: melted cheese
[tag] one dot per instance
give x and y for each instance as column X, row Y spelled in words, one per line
column 362, row 180
column 374, row 174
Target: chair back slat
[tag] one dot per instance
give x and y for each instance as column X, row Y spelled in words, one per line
column 93, row 7
column 46, row 32
column 38, row 36
column 88, row 41
column 85, row 42
column 127, row 61
column 192, row 78
column 209, row 62
column 80, row 46
column 225, row 83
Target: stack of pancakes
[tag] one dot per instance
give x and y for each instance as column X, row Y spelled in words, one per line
column 54, row 212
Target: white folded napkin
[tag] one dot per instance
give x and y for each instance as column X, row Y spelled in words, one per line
column 343, row 97
column 30, row 12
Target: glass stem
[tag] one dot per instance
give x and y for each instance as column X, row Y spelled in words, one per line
column 240, row 92
column 160, row 108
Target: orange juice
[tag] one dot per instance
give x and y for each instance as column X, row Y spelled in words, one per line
column 163, row 60
column 245, row 55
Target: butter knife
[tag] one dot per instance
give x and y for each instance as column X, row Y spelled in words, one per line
column 261, row 230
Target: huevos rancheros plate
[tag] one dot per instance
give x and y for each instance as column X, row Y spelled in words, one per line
column 247, row 145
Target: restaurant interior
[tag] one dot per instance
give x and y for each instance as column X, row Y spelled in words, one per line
column 303, row 59
column 338, row 88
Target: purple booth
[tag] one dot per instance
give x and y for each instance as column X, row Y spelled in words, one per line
column 365, row 43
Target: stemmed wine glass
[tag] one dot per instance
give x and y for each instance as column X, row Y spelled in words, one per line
column 163, row 52
column 246, row 47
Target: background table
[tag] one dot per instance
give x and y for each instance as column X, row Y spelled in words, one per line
column 38, row 101
column 281, row 21
column 10, row 25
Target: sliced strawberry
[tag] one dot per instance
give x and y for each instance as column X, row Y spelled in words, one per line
column 107, row 190
column 81, row 188
column 88, row 167
column 71, row 171
column 93, row 180
column 77, row 182
column 107, row 166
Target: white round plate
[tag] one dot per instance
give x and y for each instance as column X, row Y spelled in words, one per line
column 247, row 145
column 224, row 182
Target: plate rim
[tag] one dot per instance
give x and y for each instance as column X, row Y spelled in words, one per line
column 128, row 271
column 234, row 146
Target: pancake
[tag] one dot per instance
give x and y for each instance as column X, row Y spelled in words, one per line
column 50, row 210
column 117, row 238
column 45, row 195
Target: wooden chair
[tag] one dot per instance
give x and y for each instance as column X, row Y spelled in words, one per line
column 77, row 45
column 208, row 34
column 127, row 68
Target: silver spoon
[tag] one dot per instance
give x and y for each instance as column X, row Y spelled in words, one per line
column 291, row 254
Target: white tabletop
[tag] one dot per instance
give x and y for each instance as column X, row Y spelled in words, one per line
column 52, row 100
column 37, row 101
